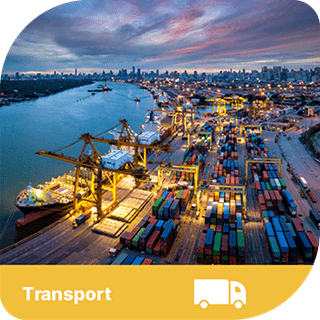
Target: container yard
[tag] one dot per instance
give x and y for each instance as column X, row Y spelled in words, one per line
column 202, row 192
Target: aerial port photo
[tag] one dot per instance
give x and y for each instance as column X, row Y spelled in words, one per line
column 162, row 134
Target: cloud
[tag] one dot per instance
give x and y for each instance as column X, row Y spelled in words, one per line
column 170, row 34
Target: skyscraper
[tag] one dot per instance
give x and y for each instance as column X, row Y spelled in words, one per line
column 76, row 72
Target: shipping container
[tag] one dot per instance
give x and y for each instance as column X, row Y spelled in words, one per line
column 274, row 249
column 137, row 261
column 152, row 241
column 128, row 260
column 283, row 245
column 135, row 240
column 292, row 247
column 128, row 240
column 121, row 257
column 147, row 261
column 304, row 247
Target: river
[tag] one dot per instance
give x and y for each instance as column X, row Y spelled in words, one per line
column 51, row 123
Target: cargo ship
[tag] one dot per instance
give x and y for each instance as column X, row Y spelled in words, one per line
column 51, row 197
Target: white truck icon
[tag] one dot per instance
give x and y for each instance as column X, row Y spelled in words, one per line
column 219, row 292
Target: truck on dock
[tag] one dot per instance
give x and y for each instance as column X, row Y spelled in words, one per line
column 81, row 219
column 315, row 217
column 289, row 202
column 303, row 181
column 114, row 251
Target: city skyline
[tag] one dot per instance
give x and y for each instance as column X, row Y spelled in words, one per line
column 208, row 36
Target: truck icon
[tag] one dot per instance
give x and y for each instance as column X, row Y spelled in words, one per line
column 219, row 292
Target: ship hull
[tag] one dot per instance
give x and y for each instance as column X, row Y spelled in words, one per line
column 33, row 213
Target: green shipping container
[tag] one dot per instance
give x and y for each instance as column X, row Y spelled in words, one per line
column 135, row 240
column 157, row 204
column 179, row 194
column 240, row 239
column 283, row 185
column 275, row 251
column 268, row 185
column 217, row 244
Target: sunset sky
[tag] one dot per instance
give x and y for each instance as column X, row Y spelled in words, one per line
column 205, row 35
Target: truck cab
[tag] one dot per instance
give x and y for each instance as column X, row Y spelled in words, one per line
column 303, row 182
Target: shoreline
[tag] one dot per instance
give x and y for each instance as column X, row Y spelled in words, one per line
column 20, row 90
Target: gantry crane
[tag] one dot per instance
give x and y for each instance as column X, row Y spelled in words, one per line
column 183, row 114
column 236, row 102
column 223, row 187
column 263, row 160
column 243, row 126
column 219, row 105
column 192, row 133
column 169, row 167
column 129, row 139
column 92, row 162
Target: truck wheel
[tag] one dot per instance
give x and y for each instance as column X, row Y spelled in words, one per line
column 204, row 304
column 238, row 304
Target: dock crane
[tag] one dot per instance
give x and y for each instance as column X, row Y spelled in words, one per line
column 235, row 101
column 92, row 162
column 183, row 114
column 129, row 139
column 219, row 105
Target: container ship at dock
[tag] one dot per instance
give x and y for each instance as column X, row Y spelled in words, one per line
column 51, row 197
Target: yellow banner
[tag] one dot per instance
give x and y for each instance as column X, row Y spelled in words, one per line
column 147, row 292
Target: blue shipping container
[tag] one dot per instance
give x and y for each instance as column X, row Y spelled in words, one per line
column 269, row 229
column 284, row 247
column 137, row 261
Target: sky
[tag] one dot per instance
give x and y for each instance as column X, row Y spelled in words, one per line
column 204, row 35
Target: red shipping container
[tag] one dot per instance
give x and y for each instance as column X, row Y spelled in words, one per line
column 201, row 242
column 257, row 185
column 205, row 228
column 158, row 195
column 297, row 225
column 170, row 195
column 278, row 196
column 219, row 228
column 266, row 195
column 130, row 236
column 216, row 259
column 313, row 242
column 263, row 208
column 261, row 199
column 156, row 249
column 232, row 260
column 265, row 176
column 147, row 261
column 153, row 239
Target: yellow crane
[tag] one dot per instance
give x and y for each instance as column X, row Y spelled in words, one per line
column 183, row 113
column 219, row 105
column 263, row 160
column 223, row 187
column 236, row 102
column 92, row 162
column 128, row 139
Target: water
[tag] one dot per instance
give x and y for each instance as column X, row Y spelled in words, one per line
column 51, row 123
